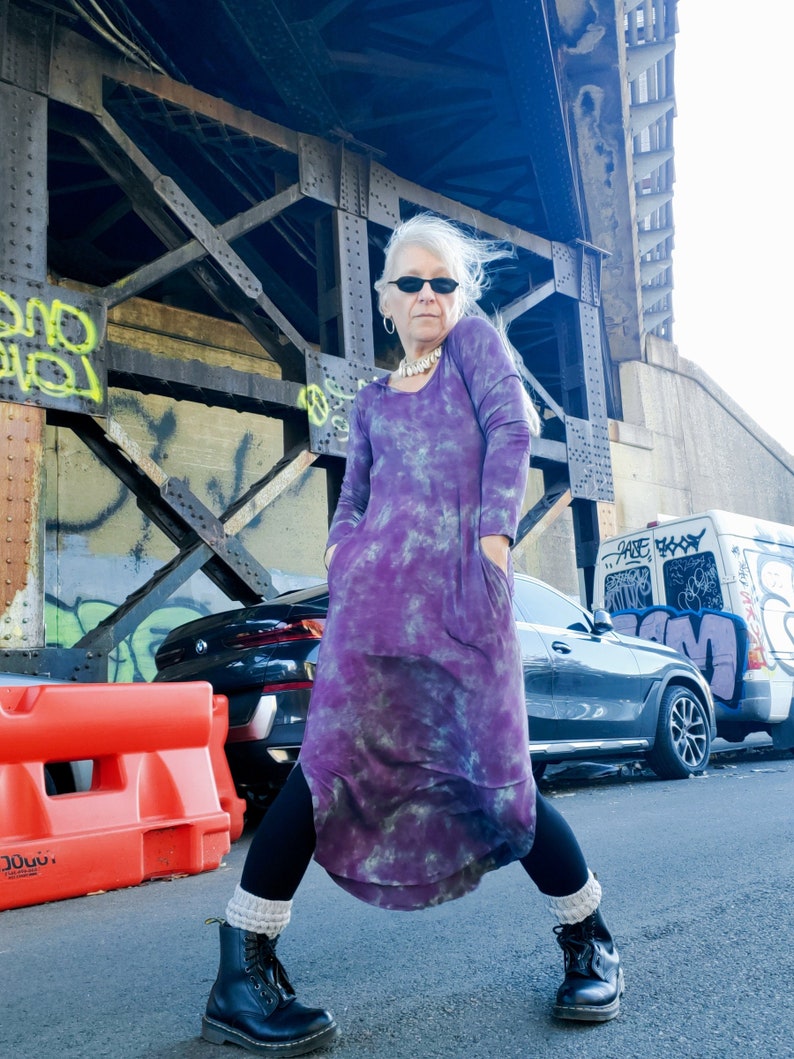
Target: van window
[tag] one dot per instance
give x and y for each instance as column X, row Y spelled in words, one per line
column 692, row 582
column 628, row 589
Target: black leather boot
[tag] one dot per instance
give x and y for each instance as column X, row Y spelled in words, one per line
column 593, row 982
column 253, row 1004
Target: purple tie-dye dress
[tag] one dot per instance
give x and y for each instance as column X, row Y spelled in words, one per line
column 416, row 749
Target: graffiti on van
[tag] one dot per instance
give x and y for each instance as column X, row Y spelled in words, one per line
column 717, row 642
column 682, row 544
column 633, row 550
column 772, row 585
column 628, row 589
column 626, row 552
column 692, row 582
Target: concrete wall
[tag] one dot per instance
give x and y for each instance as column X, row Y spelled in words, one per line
column 684, row 446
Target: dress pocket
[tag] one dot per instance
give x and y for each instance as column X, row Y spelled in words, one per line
column 489, row 564
column 336, row 563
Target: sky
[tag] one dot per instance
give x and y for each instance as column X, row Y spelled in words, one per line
column 733, row 262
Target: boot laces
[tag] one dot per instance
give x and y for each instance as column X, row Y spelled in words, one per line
column 576, row 941
column 263, row 965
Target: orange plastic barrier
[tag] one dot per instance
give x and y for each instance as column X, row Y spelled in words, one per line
column 161, row 800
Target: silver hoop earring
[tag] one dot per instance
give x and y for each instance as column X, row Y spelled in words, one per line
column 386, row 321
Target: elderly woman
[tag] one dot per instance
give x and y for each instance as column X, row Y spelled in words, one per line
column 414, row 777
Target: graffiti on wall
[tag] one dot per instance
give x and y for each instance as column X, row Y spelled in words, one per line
column 133, row 659
column 50, row 348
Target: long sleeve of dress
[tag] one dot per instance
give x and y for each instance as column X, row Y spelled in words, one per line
column 499, row 404
column 354, row 495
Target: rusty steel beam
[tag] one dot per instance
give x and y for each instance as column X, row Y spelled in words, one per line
column 193, row 380
column 221, row 252
column 121, row 158
column 263, row 492
column 23, row 250
column 194, row 553
column 21, row 552
column 79, row 68
column 154, row 593
column 548, row 509
column 193, row 250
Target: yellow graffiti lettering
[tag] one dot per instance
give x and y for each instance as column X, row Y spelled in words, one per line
column 59, row 381
column 336, row 391
column 341, row 426
column 70, row 337
column 60, row 311
column 333, row 401
column 9, row 303
column 315, row 403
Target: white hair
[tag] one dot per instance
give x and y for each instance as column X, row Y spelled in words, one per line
column 465, row 258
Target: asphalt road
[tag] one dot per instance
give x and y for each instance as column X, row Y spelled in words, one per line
column 698, row 878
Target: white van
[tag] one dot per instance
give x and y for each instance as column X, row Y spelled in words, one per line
column 719, row 588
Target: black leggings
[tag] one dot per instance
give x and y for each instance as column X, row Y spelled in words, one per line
column 283, row 845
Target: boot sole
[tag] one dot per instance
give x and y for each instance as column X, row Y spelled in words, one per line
column 582, row 1013
column 217, row 1033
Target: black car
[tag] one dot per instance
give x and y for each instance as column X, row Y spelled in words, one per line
column 591, row 693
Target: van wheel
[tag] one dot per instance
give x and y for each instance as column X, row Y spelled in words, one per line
column 683, row 738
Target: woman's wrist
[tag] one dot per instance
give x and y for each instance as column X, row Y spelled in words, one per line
column 496, row 547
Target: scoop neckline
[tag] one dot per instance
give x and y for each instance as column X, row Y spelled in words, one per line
column 412, row 393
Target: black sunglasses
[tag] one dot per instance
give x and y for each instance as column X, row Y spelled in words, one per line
column 413, row 284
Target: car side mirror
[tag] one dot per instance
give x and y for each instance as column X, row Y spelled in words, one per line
column 602, row 622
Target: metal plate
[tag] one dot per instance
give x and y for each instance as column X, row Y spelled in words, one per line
column 566, row 269
column 589, row 461
column 319, row 169
column 23, row 182
column 355, row 284
column 331, row 385
column 384, row 198
column 52, row 347
column 354, row 183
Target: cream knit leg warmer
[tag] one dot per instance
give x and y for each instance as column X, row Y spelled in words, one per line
column 578, row 906
column 257, row 914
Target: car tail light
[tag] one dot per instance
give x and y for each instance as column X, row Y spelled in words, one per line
column 307, row 629
column 169, row 657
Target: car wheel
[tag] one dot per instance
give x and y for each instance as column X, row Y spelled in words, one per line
column 683, row 736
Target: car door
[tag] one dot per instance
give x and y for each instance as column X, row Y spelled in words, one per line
column 538, row 676
column 598, row 691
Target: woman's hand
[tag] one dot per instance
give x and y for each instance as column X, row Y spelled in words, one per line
column 496, row 548
column 329, row 554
